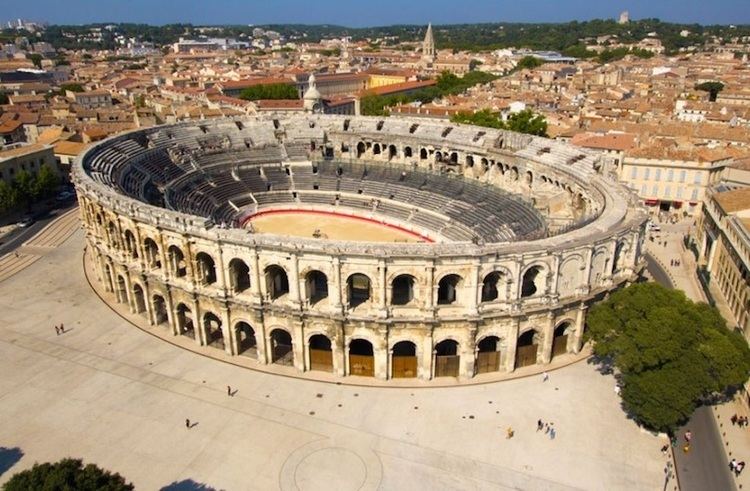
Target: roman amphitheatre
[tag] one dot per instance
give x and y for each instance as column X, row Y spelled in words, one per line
column 362, row 247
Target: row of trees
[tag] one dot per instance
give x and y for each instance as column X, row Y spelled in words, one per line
column 671, row 354
column 67, row 474
column 269, row 91
column 447, row 84
column 27, row 188
column 526, row 121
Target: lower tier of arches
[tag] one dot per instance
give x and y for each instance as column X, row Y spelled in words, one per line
column 400, row 350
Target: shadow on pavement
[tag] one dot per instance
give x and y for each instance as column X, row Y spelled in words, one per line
column 187, row 485
column 8, row 458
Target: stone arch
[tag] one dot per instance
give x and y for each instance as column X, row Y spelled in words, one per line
column 177, row 262
column 112, row 235
column 448, row 288
column 316, row 286
column 404, row 360
column 239, row 275
column 131, row 245
column 494, row 286
column 361, row 358
column 423, row 154
column 185, row 326
column 402, row 289
column 281, row 347
column 599, row 266
column 277, row 282
column 321, row 353
column 151, row 251
column 438, row 156
column 358, row 289
column 392, row 152
column 470, row 161
column 533, row 282
column 561, row 338
column 621, row 250
column 213, row 331
column 453, row 158
column 527, row 348
column 247, row 344
column 109, row 277
column 447, row 358
column 569, row 278
column 376, row 149
column 206, row 268
column 122, row 290
column 488, row 354
column 139, row 299
column 361, row 149
column 159, row 307
column 408, row 152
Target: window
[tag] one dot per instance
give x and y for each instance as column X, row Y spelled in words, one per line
column 694, row 196
column 668, row 192
column 698, row 178
column 655, row 190
column 657, row 177
column 682, row 175
column 670, row 175
column 634, row 173
column 679, row 192
column 643, row 189
column 646, row 174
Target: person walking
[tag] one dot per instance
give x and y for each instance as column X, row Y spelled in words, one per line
column 187, row 423
column 546, row 428
column 734, row 419
column 57, row 330
column 552, row 434
column 688, row 436
column 509, row 433
column 539, row 425
column 738, row 468
column 545, row 377
column 62, row 328
column 229, row 391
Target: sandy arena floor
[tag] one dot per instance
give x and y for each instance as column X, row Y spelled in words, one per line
column 334, row 227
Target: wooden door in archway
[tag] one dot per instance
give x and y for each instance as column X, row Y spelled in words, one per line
column 404, row 366
column 526, row 355
column 488, row 361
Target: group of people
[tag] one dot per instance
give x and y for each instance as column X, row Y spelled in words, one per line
column 549, row 428
column 60, row 329
column 675, row 262
column 736, row 467
column 738, row 420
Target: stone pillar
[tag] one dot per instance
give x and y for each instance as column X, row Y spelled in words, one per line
column 299, row 346
column 512, row 340
column 129, row 293
column 580, row 324
column 549, row 335
column 230, row 340
column 335, row 292
column 222, row 274
column 424, row 362
column 468, row 354
column 294, row 282
column 255, row 287
column 339, row 352
column 473, row 289
column 430, row 287
column 171, row 319
column 380, row 352
column 382, row 287
column 200, row 335
column 147, row 302
column 261, row 342
column 389, row 352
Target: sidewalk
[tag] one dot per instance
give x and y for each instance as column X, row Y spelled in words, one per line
column 735, row 440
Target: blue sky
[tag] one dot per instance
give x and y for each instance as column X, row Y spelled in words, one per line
column 357, row 13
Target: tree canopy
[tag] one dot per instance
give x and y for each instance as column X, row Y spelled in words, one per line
column 713, row 88
column 269, row 91
column 67, row 474
column 27, row 188
column 525, row 121
column 529, row 63
column 672, row 354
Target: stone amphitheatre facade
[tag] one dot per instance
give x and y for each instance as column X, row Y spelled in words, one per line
column 518, row 236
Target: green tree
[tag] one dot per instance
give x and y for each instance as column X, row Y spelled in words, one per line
column 8, row 197
column 67, row 474
column 4, row 98
column 36, row 59
column 269, row 91
column 528, row 63
column 474, row 64
column 672, row 354
column 528, row 122
column 73, row 87
column 713, row 89
column 23, row 184
column 485, row 118
column 45, row 183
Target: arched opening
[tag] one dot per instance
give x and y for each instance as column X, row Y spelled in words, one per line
column 358, row 289
column 316, row 284
column 246, row 342
column 469, row 161
column 239, row 275
column 109, row 278
column 122, row 292
column 392, row 152
column 493, row 287
column 448, row 289
column 454, row 158
column 533, row 282
column 131, row 245
column 321, row 354
column 206, row 268
column 423, row 154
column 212, row 327
column 526, row 349
column 281, row 348
column 151, row 250
column 407, row 152
column 620, row 252
column 529, row 178
column 160, row 309
column 139, row 299
column 361, row 358
column 277, row 283
column 438, row 156
column 402, row 290
column 376, row 149
column 488, row 355
column 185, row 324
column 560, row 339
column 404, row 360
column 447, row 359
column 360, row 149
column 112, row 235
column 177, row 261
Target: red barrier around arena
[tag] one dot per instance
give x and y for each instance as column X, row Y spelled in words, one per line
column 342, row 215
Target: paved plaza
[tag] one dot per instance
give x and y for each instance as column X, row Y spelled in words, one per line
column 112, row 394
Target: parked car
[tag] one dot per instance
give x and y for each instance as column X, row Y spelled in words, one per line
column 26, row 222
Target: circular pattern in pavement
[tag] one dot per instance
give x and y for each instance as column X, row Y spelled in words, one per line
column 318, row 470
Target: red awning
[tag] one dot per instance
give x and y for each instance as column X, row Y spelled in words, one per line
column 651, row 202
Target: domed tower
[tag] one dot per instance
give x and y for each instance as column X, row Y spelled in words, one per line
column 313, row 101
